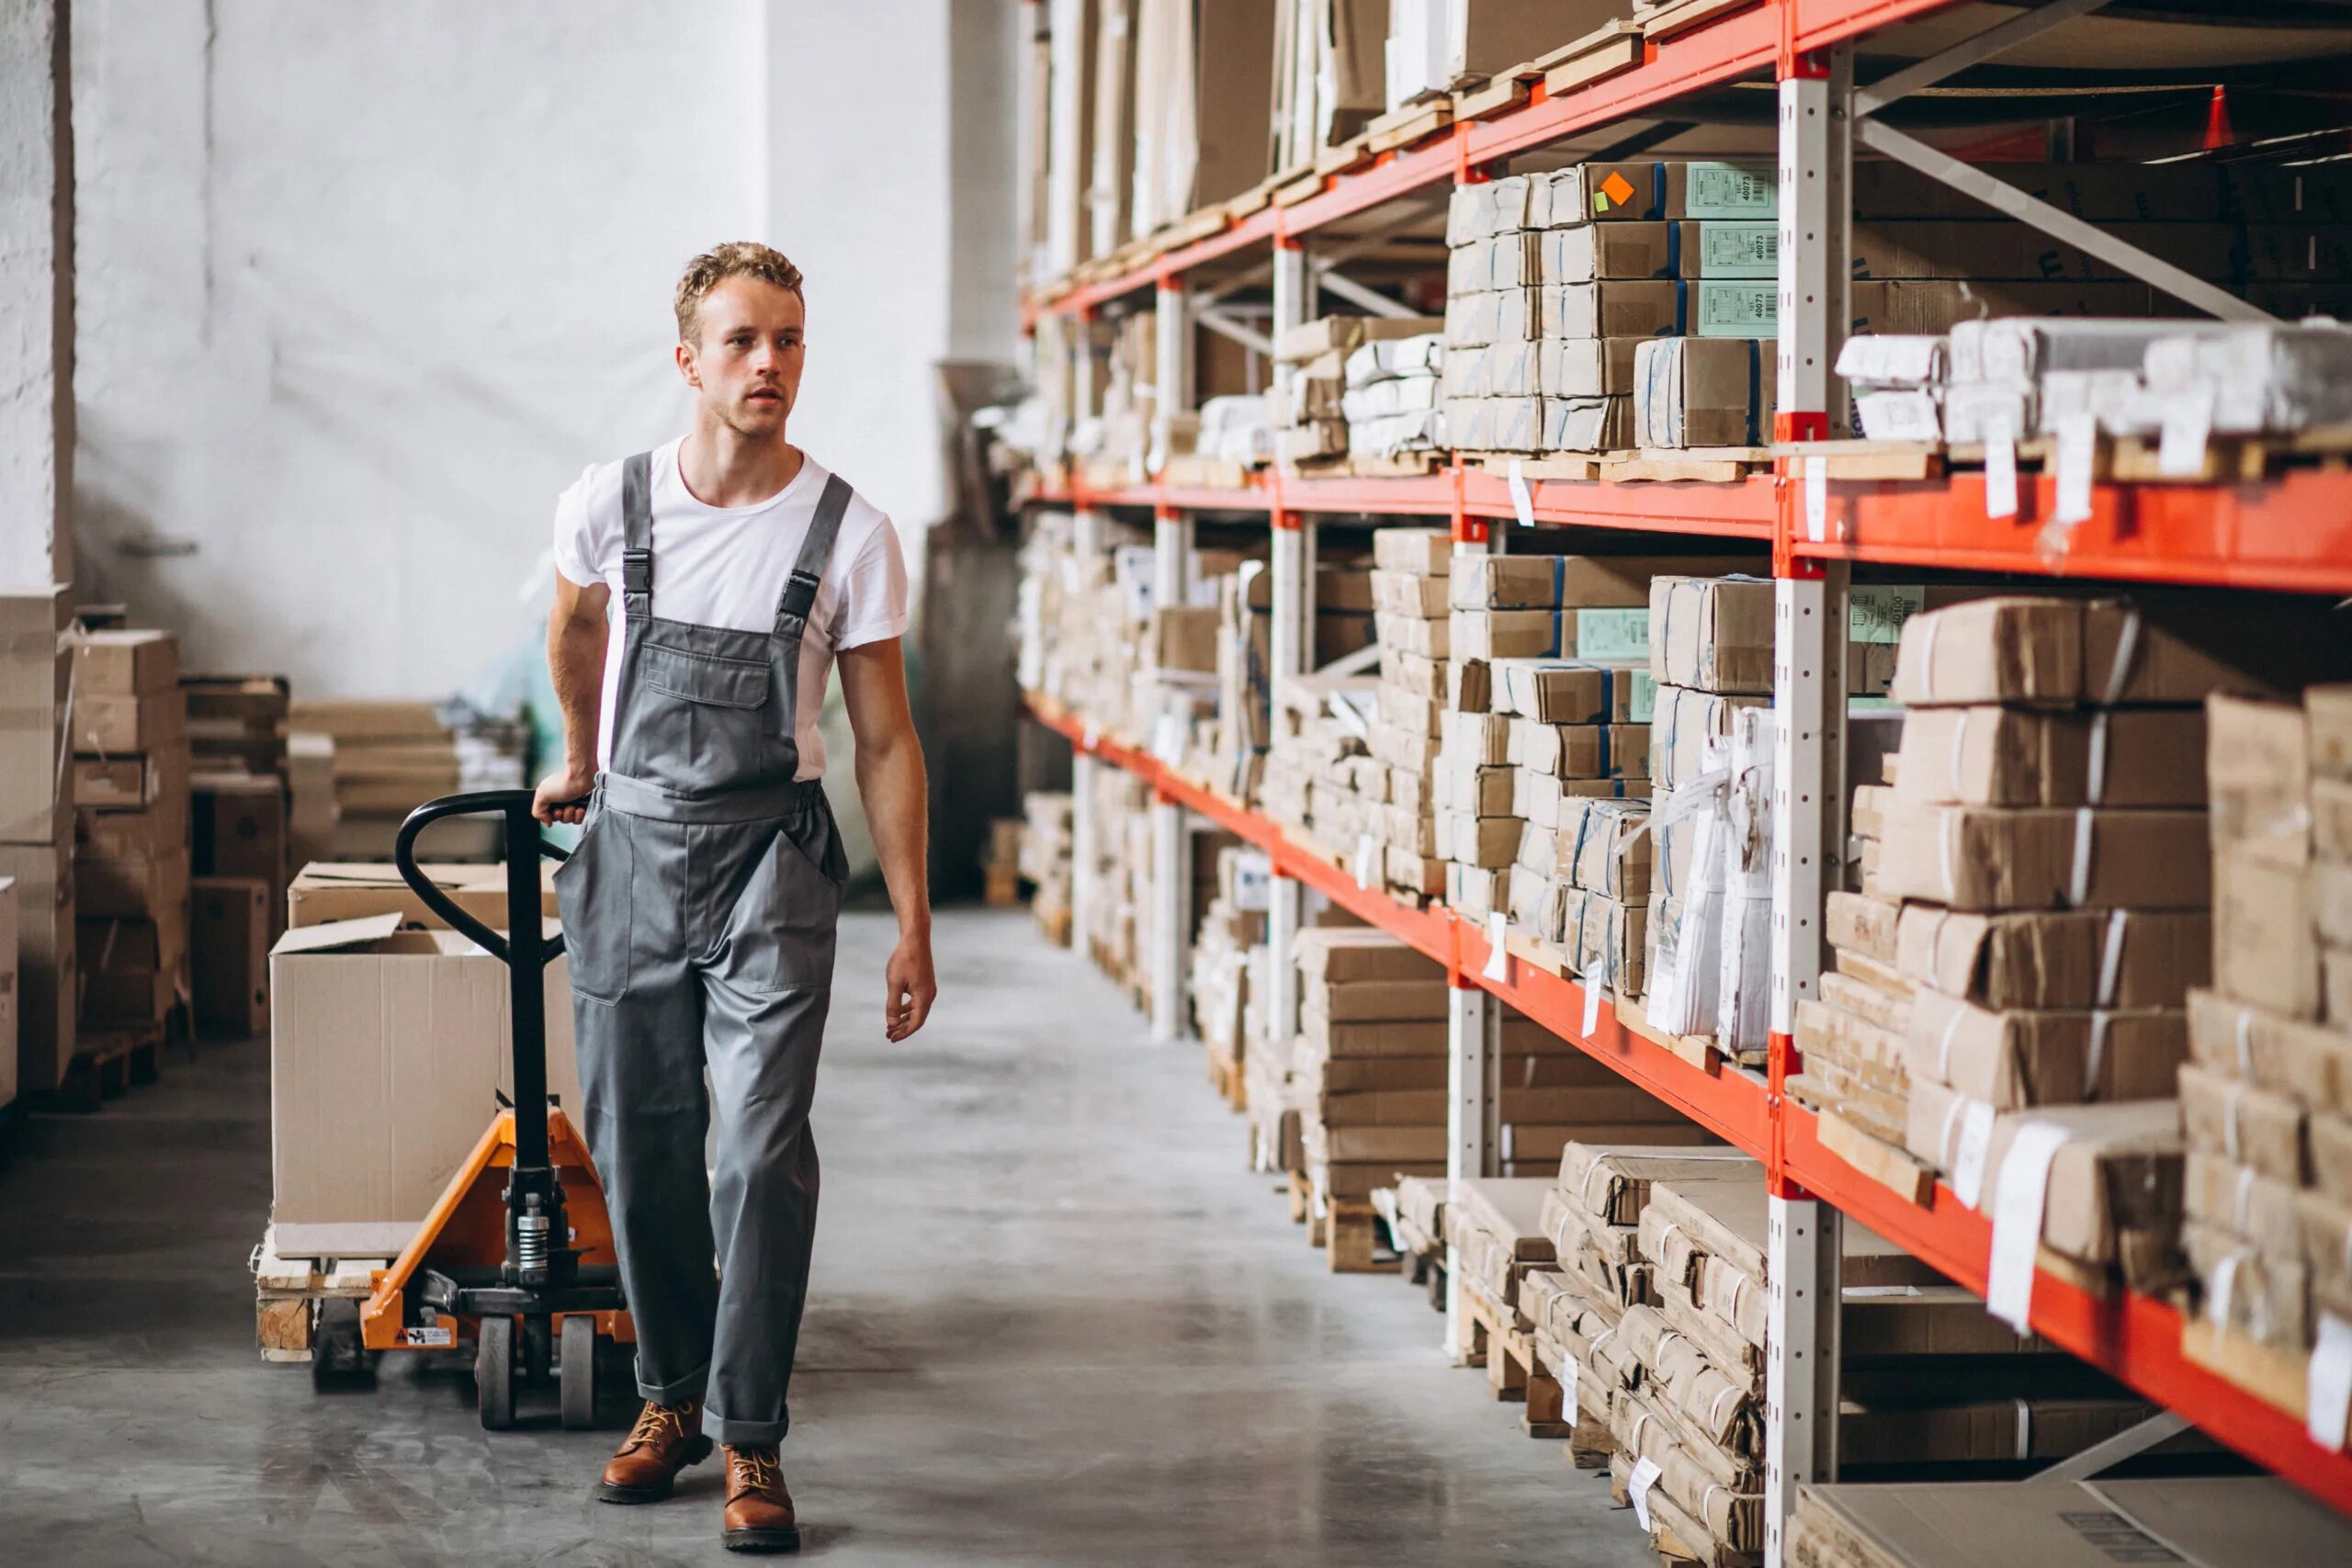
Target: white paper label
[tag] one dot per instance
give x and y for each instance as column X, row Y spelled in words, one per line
column 1499, row 948
column 1968, row 1161
column 2017, row 1221
column 433, row 1337
column 1568, row 1392
column 1592, row 989
column 2001, row 469
column 1167, row 740
column 2189, row 425
column 1816, row 499
column 1368, row 860
column 1637, row 1489
column 1090, row 737
column 2327, row 1397
column 1523, row 501
column 2077, row 452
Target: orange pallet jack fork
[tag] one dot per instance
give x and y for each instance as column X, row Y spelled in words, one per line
column 502, row 1257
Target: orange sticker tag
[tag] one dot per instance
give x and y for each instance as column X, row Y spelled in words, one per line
column 1617, row 188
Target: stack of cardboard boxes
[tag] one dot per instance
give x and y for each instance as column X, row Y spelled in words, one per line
column 392, row 757
column 1411, row 567
column 1232, row 927
column 243, row 842
column 37, row 834
column 1045, row 860
column 2266, row 1101
column 2050, row 851
column 130, row 858
column 1556, row 281
column 1393, row 404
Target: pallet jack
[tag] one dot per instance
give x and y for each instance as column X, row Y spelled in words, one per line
column 500, row 1255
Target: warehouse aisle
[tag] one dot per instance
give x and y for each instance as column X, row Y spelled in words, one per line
column 1053, row 1322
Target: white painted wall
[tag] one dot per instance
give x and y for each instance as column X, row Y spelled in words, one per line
column 362, row 287
column 35, row 318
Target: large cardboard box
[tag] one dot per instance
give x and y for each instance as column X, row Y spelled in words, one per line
column 1986, row 858
column 230, row 920
column 110, row 724
column 2049, row 652
column 1712, row 634
column 1701, row 392
column 343, row 890
column 240, row 826
column 46, row 982
column 2000, row 756
column 35, row 674
column 388, row 1050
column 126, row 663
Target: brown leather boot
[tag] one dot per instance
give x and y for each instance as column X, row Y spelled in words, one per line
column 758, row 1510
column 666, row 1439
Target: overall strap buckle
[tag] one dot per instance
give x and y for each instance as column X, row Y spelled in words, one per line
column 636, row 571
column 799, row 598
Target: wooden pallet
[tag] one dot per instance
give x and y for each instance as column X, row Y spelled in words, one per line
column 104, row 1067
column 1700, row 464
column 288, row 1291
column 1353, row 1238
column 1507, row 1352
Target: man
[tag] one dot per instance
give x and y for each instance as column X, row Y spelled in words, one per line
column 699, row 908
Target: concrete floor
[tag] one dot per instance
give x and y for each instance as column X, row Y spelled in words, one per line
column 1054, row 1320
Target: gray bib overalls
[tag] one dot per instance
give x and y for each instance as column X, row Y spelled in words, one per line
column 699, row 911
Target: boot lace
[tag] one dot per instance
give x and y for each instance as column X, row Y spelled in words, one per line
column 655, row 1421
column 756, row 1470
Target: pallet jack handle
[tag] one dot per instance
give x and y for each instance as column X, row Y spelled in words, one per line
column 525, row 950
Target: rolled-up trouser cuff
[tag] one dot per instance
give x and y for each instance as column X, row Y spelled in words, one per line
column 678, row 1391
column 742, row 1434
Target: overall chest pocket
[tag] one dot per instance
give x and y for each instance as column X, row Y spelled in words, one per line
column 713, row 679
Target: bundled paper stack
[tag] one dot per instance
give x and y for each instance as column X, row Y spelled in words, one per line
column 1411, row 573
column 1309, row 410
column 2267, row 1099
column 1247, row 722
column 1368, row 1076
column 2239, row 1521
column 1117, row 883
column 130, row 858
column 313, row 814
column 237, row 723
column 1233, row 927
column 1416, row 1215
column 1045, row 861
column 37, row 825
column 2011, row 377
column 1321, row 781
column 2051, row 854
column 1711, row 655
column 1554, row 281
column 390, row 758
column 1237, row 428
column 1392, row 403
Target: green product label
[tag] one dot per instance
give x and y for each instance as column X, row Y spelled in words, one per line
column 1622, row 635
column 1730, row 190
column 1644, row 700
column 1876, row 611
column 1739, row 250
column 1734, row 309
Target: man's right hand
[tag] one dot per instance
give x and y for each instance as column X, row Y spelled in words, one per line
column 562, row 794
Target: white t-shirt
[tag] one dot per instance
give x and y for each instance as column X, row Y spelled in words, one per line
column 719, row 565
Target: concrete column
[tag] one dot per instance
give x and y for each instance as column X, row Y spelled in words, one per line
column 36, row 294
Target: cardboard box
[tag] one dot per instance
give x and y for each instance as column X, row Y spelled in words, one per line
column 1425, row 552
column 346, row 890
column 2114, row 1187
column 2265, row 934
column 2046, row 652
column 126, row 663
column 1998, row 756
column 1988, row 859
column 2244, row 1123
column 1344, row 954
column 239, row 827
column 1658, row 308
column 130, row 783
column 2013, row 1059
column 2283, row 1055
column 110, row 724
column 1570, row 691
column 142, row 886
column 1702, row 391
column 230, row 925
column 1602, row 847
column 1583, row 750
column 46, row 982
column 1640, row 191
column 1712, row 634
column 1591, row 252
column 2258, row 769
column 372, row 1113
column 1680, row 726
column 2081, row 958
column 36, row 672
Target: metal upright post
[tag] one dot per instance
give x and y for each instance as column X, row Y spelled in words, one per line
column 1474, row 1019
column 1291, row 650
column 1084, row 829
column 1172, row 861
column 1809, row 767
column 1171, row 377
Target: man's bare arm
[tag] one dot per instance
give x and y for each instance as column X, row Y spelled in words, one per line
column 576, row 634
column 890, row 783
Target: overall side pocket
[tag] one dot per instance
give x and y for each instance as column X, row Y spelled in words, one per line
column 593, row 896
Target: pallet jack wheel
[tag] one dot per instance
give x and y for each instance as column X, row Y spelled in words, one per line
column 337, row 1358
column 494, row 1373
column 576, row 1373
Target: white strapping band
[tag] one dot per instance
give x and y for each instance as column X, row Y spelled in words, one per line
column 2246, row 1043
column 1959, row 745
column 2079, row 884
column 2111, row 962
column 2230, row 1142
column 1943, row 1043
column 2127, row 647
column 2245, row 1193
column 2096, row 1056
column 1948, row 852
column 2098, row 782
column 2025, row 1430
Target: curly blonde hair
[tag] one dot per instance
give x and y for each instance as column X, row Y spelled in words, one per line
column 737, row 258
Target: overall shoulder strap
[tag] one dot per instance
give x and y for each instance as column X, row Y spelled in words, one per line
column 800, row 588
column 637, row 535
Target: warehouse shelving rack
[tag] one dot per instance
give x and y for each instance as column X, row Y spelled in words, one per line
column 2292, row 532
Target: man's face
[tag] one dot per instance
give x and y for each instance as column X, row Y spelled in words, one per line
column 747, row 364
